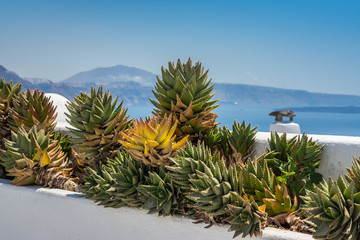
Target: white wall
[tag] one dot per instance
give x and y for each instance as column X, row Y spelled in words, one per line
column 60, row 102
column 43, row 214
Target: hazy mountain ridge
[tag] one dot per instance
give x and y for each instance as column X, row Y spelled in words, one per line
column 342, row 109
column 132, row 92
column 258, row 95
column 111, row 75
column 10, row 75
column 38, row 80
column 138, row 90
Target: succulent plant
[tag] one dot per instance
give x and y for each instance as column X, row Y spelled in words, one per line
column 185, row 92
column 123, row 181
column 279, row 200
column 188, row 162
column 98, row 186
column 128, row 177
column 153, row 141
column 160, row 195
column 354, row 173
column 7, row 93
column 294, row 161
column 97, row 122
column 33, row 108
column 210, row 188
column 63, row 139
column 235, row 146
column 186, row 165
column 115, row 183
column 198, row 152
column 183, row 170
column 241, row 140
column 281, row 146
column 259, row 181
column 212, row 183
column 335, row 208
column 246, row 217
column 206, row 183
column 31, row 157
column 213, row 138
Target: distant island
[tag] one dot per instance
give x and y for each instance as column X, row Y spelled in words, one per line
column 327, row 109
column 134, row 85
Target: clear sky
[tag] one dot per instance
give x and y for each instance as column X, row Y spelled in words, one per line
column 300, row 44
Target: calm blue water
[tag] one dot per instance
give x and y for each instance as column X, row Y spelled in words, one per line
column 311, row 123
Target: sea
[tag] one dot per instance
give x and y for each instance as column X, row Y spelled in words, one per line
column 325, row 123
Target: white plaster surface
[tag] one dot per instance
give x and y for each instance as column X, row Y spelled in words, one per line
column 60, row 102
column 43, row 214
column 336, row 157
column 288, row 127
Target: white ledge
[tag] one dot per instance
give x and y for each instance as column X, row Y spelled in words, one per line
column 42, row 214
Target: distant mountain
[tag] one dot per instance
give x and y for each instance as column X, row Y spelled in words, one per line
column 107, row 76
column 10, row 75
column 346, row 109
column 38, row 80
column 134, row 86
column 257, row 95
column 132, row 92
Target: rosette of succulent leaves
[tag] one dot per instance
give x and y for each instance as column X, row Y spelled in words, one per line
column 97, row 122
column 334, row 206
column 7, row 93
column 294, row 161
column 31, row 156
column 184, row 91
column 33, row 108
column 153, row 141
column 115, row 183
column 123, row 181
column 236, row 146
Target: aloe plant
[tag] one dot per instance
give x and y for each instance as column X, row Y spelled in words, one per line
column 160, row 195
column 294, row 161
column 334, row 207
column 115, row 183
column 245, row 216
column 260, row 182
column 235, row 146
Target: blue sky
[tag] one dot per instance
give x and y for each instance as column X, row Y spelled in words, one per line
column 299, row 44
